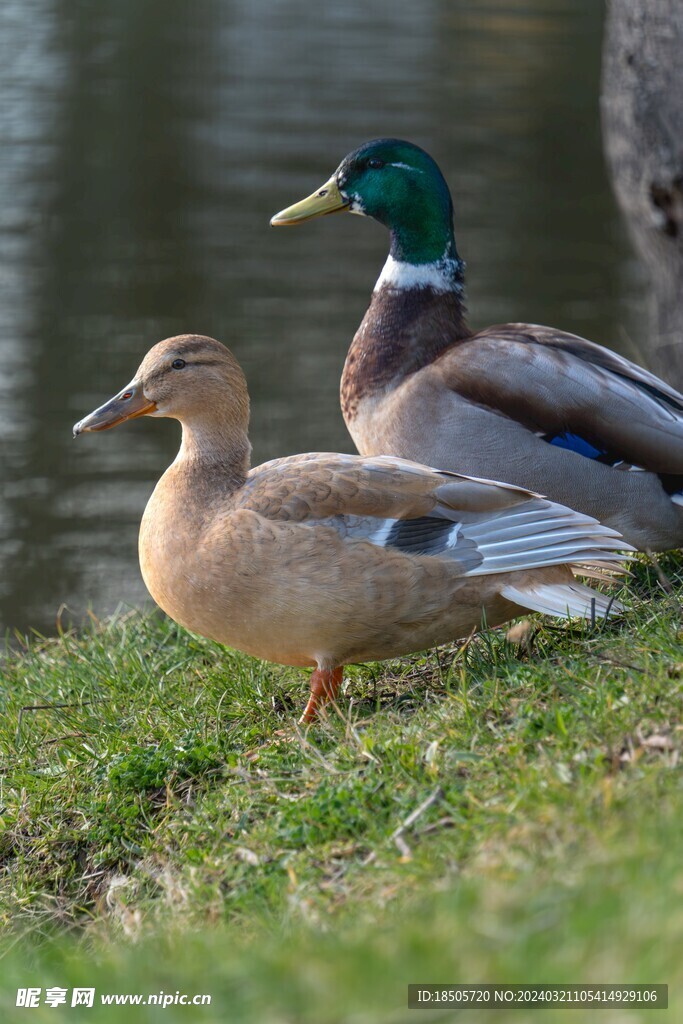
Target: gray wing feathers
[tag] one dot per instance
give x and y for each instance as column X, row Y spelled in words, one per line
column 533, row 534
column 550, row 381
column 541, row 533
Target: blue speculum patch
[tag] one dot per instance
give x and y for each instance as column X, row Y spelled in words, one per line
column 577, row 444
column 672, row 484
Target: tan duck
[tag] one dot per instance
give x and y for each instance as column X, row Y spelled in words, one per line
column 327, row 559
column 530, row 405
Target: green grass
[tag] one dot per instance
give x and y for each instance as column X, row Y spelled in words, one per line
column 165, row 825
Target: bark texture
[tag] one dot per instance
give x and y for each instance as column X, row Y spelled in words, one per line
column 642, row 117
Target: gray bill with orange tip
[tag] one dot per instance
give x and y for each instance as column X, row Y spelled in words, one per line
column 327, row 199
column 127, row 405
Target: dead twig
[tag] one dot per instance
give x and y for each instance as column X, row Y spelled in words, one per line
column 67, row 736
column 398, row 834
column 664, row 580
column 53, row 707
column 619, row 664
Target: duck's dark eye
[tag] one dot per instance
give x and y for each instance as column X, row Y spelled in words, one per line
column 178, row 364
column 375, row 163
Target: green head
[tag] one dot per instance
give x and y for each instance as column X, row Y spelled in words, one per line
column 397, row 184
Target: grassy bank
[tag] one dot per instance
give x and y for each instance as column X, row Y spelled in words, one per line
column 166, row 826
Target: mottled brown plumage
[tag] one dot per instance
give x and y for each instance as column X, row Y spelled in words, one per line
column 325, row 559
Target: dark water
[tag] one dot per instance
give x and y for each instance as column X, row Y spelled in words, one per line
column 143, row 147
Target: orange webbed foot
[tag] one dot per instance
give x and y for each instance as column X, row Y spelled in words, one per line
column 325, row 685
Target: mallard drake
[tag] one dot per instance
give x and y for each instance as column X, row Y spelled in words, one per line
column 530, row 405
column 326, row 559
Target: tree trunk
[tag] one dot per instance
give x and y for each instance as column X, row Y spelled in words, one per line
column 642, row 120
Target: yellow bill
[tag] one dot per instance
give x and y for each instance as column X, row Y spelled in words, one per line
column 327, row 199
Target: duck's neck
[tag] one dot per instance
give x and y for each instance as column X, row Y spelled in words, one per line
column 423, row 251
column 445, row 275
column 417, row 311
column 213, row 460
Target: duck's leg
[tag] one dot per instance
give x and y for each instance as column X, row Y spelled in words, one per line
column 325, row 685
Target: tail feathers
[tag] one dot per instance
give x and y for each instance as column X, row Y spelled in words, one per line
column 563, row 600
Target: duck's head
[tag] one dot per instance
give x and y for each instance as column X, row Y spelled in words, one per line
column 395, row 183
column 189, row 378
